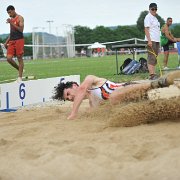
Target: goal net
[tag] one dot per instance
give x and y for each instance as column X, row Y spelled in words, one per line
column 55, row 42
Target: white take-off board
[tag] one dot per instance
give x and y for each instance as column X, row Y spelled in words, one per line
column 14, row 95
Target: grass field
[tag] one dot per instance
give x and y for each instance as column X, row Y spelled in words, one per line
column 100, row 66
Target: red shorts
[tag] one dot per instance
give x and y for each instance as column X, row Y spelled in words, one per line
column 15, row 47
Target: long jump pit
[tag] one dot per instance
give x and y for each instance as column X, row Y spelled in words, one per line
column 135, row 140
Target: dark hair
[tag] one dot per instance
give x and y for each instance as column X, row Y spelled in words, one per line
column 59, row 89
column 10, row 7
column 169, row 18
column 152, row 5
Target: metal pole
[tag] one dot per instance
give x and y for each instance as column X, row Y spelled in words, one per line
column 135, row 51
column 49, row 25
column 49, row 22
column 73, row 42
column 57, row 41
column 43, row 42
column 33, row 42
column 37, row 47
column 117, row 62
column 69, row 31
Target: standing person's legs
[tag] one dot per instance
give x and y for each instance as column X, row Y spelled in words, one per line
column 12, row 62
column 19, row 54
column 10, row 54
column 21, row 66
column 152, row 59
column 166, row 54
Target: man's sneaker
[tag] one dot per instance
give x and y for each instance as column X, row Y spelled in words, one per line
column 19, row 80
column 166, row 80
column 165, row 68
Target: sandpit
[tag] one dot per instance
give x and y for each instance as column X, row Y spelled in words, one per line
column 137, row 140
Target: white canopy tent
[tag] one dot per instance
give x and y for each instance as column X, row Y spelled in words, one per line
column 96, row 45
column 96, row 49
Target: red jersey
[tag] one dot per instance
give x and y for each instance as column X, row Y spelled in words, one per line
column 14, row 33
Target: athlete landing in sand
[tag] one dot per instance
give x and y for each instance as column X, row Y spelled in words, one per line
column 97, row 89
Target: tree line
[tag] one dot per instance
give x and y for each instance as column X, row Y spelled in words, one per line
column 86, row 35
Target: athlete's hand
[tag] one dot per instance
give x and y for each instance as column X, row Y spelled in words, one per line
column 8, row 20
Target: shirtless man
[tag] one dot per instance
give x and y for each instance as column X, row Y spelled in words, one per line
column 97, row 89
column 166, row 33
column 15, row 41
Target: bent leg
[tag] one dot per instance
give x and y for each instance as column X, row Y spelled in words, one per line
column 166, row 80
column 19, row 53
column 21, row 65
column 152, row 59
column 166, row 56
column 130, row 93
column 12, row 62
column 151, row 69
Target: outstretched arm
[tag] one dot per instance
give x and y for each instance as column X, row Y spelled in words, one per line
column 81, row 94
